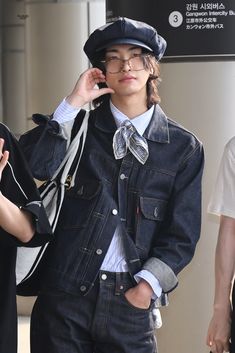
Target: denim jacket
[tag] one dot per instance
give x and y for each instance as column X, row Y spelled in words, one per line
column 158, row 204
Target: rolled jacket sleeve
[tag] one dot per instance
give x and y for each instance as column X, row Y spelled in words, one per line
column 175, row 245
column 45, row 142
column 18, row 186
column 49, row 140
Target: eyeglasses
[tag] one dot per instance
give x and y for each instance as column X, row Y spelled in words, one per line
column 135, row 63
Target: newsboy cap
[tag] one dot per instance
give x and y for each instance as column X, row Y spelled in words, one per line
column 125, row 31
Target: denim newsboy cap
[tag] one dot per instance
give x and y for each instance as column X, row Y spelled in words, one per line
column 125, row 31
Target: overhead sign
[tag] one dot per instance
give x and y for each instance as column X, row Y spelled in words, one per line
column 191, row 28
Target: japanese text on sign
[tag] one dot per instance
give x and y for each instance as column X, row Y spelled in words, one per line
column 206, row 16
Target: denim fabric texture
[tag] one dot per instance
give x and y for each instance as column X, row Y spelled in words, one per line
column 65, row 323
column 158, row 204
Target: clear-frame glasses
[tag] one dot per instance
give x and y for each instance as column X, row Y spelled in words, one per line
column 115, row 65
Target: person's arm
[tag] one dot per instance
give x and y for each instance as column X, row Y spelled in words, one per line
column 175, row 245
column 220, row 325
column 49, row 141
column 13, row 220
column 84, row 92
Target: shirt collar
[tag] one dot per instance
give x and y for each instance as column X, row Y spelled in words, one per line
column 140, row 122
column 156, row 131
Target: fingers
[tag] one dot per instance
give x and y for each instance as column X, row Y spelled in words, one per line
column 214, row 346
column 97, row 75
column 1, row 145
column 103, row 91
column 219, row 330
column 218, row 347
column 4, row 157
column 93, row 76
column 86, row 89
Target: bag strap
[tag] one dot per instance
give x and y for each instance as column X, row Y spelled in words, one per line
column 75, row 150
column 77, row 123
column 77, row 141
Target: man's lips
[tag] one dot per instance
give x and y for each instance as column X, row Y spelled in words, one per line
column 127, row 78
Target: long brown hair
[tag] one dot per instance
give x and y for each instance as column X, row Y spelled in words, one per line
column 151, row 64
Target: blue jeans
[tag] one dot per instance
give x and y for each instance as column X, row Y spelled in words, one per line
column 103, row 321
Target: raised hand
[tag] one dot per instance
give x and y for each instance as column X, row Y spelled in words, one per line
column 86, row 89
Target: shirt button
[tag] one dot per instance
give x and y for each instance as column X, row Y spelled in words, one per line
column 114, row 212
column 122, row 176
column 99, row 251
column 104, row 276
column 83, row 288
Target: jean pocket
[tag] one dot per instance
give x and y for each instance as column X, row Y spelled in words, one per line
column 133, row 307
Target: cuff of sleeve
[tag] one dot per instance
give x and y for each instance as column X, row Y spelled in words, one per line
column 52, row 126
column 166, row 277
column 43, row 232
column 152, row 281
column 65, row 112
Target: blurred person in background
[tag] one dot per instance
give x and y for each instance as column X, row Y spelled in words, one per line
column 221, row 331
column 23, row 222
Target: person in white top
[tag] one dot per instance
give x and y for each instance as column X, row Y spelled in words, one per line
column 221, row 331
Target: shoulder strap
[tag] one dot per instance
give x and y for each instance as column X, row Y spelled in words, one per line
column 74, row 152
column 77, row 123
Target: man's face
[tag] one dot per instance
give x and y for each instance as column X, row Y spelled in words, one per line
column 125, row 70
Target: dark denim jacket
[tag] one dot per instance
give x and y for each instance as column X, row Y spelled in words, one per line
column 158, row 204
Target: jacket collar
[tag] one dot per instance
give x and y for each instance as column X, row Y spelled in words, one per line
column 156, row 131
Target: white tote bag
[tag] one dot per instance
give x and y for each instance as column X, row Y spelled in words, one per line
column 52, row 194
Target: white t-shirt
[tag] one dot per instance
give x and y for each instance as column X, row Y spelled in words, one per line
column 222, row 200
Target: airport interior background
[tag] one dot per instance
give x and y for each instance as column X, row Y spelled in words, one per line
column 41, row 58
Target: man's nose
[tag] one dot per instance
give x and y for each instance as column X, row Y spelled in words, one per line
column 126, row 66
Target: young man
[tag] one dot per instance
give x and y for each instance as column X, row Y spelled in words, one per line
column 22, row 223
column 221, row 331
column 131, row 220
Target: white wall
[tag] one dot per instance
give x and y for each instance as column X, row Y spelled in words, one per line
column 201, row 97
column 13, row 70
column 42, row 54
column 55, row 34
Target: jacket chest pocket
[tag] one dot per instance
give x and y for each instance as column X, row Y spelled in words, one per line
column 150, row 214
column 153, row 209
column 79, row 204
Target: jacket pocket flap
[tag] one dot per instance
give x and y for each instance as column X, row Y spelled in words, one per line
column 153, row 208
column 84, row 190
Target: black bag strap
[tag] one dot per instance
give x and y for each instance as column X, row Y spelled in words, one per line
column 76, row 126
column 77, row 123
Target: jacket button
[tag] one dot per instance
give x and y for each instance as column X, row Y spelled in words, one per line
column 122, row 176
column 104, row 276
column 83, row 288
column 99, row 251
column 114, row 212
